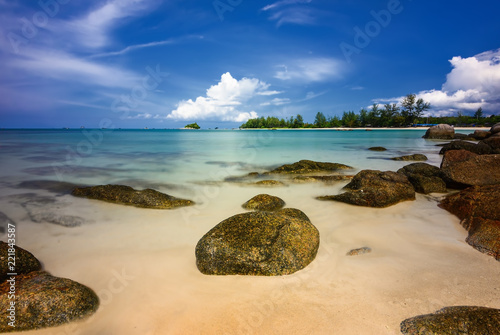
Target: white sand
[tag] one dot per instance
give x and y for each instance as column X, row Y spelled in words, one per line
column 142, row 265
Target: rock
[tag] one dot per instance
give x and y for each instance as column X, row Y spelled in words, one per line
column 495, row 129
column 493, row 142
column 441, row 132
column 307, row 166
column 325, row 179
column 480, row 134
column 454, row 320
column 258, row 243
column 459, row 136
column 478, row 209
column 424, row 177
column 461, row 168
column 414, row 157
column 264, row 202
column 126, row 195
column 377, row 149
column 23, row 262
column 477, row 148
column 45, row 301
column 359, row 251
column 270, row 183
column 374, row 188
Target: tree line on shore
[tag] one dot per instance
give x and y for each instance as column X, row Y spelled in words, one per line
column 390, row 115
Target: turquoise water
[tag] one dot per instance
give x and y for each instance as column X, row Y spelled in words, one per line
column 179, row 157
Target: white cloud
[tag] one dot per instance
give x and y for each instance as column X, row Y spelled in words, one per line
column 311, row 70
column 284, row 3
column 65, row 67
column 276, row 102
column 92, row 30
column 223, row 101
column 472, row 83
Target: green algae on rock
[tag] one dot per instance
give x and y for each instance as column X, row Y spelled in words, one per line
column 259, row 244
column 45, row 301
column 455, row 320
column 424, row 177
column 126, row 195
column 264, row 202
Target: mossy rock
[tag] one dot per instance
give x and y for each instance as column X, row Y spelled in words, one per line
column 264, row 202
column 25, row 262
column 455, row 320
column 259, row 244
column 45, row 301
column 414, row 157
column 126, row 195
column 307, row 166
column 377, row 149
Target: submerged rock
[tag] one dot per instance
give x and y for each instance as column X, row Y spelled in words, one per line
column 414, row 157
column 126, row 195
column 478, row 208
column 374, row 188
column 259, row 244
column 23, row 262
column 454, row 320
column 424, row 177
column 264, row 202
column 307, row 166
column 328, row 179
column 270, row 183
column 377, row 149
column 359, row 251
column 441, row 132
column 45, row 301
column 461, row 168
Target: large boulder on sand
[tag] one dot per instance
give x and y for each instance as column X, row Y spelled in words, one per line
column 441, row 132
column 424, row 177
column 259, row 243
column 454, row 320
column 126, row 195
column 461, row 168
column 264, row 202
column 495, row 129
column 374, row 188
column 478, row 208
column 23, row 261
column 45, row 301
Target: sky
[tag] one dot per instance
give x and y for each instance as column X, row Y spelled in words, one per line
column 167, row 63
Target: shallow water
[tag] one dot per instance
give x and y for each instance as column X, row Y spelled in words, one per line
column 141, row 262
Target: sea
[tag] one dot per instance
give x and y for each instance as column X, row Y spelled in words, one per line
column 141, row 262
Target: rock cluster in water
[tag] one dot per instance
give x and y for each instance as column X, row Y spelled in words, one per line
column 41, row 300
column 126, row 195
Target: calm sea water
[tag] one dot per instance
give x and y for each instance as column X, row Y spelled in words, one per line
column 175, row 157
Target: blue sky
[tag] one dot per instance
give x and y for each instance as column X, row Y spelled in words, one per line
column 163, row 64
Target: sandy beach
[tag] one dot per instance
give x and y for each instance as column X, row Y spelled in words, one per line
column 141, row 264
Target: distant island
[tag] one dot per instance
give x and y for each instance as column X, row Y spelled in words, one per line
column 192, row 126
column 407, row 114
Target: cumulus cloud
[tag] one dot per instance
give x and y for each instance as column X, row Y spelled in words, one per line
column 472, row 83
column 311, row 70
column 223, row 101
